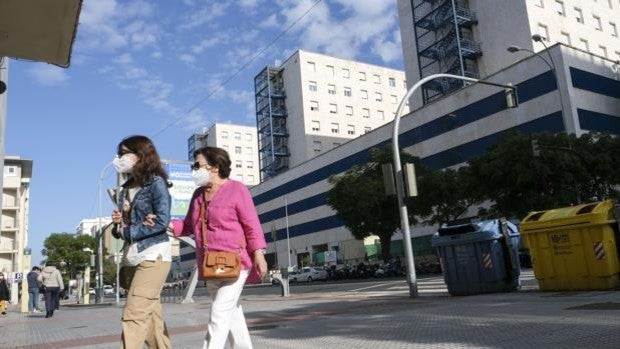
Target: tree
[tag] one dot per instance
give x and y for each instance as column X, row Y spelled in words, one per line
column 67, row 251
column 359, row 199
column 567, row 171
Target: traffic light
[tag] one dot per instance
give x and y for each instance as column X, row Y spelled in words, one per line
column 535, row 148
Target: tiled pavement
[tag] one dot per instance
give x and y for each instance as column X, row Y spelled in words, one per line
column 363, row 318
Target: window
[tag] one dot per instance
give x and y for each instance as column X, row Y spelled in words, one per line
column 317, row 145
column 603, row 50
column 249, row 164
column 330, row 70
column 248, row 137
column 378, row 97
column 565, row 38
column 405, row 84
column 584, row 44
column 225, row 147
column 224, row 134
column 248, row 151
column 559, row 8
column 335, row 127
column 393, row 99
column 392, row 82
column 349, row 110
column 10, row 171
column 347, row 91
column 364, row 94
column 333, row 108
column 362, row 76
column 237, row 150
column 237, row 135
column 597, row 23
column 316, row 126
column 539, row 3
column 311, row 66
column 380, row 115
column 367, row 129
column 239, row 177
column 366, row 113
column 610, row 4
column 312, row 86
column 579, row 15
column 331, row 89
column 251, row 178
column 351, row 130
column 345, row 73
column 376, row 78
column 543, row 31
column 614, row 29
column 314, row 105
column 238, row 164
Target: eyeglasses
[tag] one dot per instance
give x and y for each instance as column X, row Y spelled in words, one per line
column 196, row 166
column 124, row 152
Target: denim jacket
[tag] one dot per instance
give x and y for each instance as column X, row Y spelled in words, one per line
column 153, row 197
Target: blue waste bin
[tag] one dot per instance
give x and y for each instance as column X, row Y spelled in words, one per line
column 480, row 257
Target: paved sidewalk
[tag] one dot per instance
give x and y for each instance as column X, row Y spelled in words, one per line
column 362, row 319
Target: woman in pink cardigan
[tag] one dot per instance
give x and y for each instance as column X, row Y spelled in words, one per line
column 230, row 218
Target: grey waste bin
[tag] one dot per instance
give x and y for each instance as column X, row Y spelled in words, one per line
column 480, row 257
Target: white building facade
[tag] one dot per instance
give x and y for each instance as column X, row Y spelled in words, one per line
column 471, row 37
column 445, row 132
column 15, row 214
column 241, row 144
column 313, row 103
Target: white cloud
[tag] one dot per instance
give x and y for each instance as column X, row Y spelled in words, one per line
column 345, row 29
column 269, row 22
column 204, row 15
column 47, row 74
column 205, row 44
column 248, row 4
column 156, row 54
column 187, row 58
column 388, row 50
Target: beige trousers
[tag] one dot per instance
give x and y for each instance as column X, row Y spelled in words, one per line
column 143, row 321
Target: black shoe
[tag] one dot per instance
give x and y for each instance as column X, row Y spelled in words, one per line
column 48, row 314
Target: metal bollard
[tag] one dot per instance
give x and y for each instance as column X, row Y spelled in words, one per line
column 284, row 282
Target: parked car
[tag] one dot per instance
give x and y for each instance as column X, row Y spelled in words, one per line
column 308, row 274
column 108, row 290
column 91, row 291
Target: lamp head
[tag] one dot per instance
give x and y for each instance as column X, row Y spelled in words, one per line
column 537, row 38
column 513, row 49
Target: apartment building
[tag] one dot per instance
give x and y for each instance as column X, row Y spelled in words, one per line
column 471, row 37
column 241, row 144
column 15, row 211
column 312, row 103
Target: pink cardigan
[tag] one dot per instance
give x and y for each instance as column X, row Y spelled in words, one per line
column 230, row 215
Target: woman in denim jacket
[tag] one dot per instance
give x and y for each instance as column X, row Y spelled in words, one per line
column 141, row 220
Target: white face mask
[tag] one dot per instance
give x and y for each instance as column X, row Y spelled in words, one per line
column 201, row 177
column 125, row 163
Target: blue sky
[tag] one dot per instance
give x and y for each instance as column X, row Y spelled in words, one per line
column 137, row 66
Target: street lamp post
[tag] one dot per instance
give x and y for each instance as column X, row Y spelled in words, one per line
column 99, row 290
column 550, row 64
column 400, row 190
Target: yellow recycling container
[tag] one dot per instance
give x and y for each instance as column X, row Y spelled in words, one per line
column 574, row 248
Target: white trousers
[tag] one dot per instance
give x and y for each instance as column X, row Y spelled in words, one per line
column 226, row 321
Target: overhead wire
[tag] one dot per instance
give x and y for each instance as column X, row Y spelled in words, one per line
column 237, row 72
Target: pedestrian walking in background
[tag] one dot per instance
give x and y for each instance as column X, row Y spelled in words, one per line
column 5, row 294
column 52, row 280
column 147, row 253
column 222, row 210
column 34, row 285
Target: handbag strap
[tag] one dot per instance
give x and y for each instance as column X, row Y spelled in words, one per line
column 203, row 223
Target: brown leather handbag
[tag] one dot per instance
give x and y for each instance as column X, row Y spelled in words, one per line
column 217, row 265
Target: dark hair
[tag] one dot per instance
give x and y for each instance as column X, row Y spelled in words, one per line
column 216, row 157
column 35, row 268
column 149, row 163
